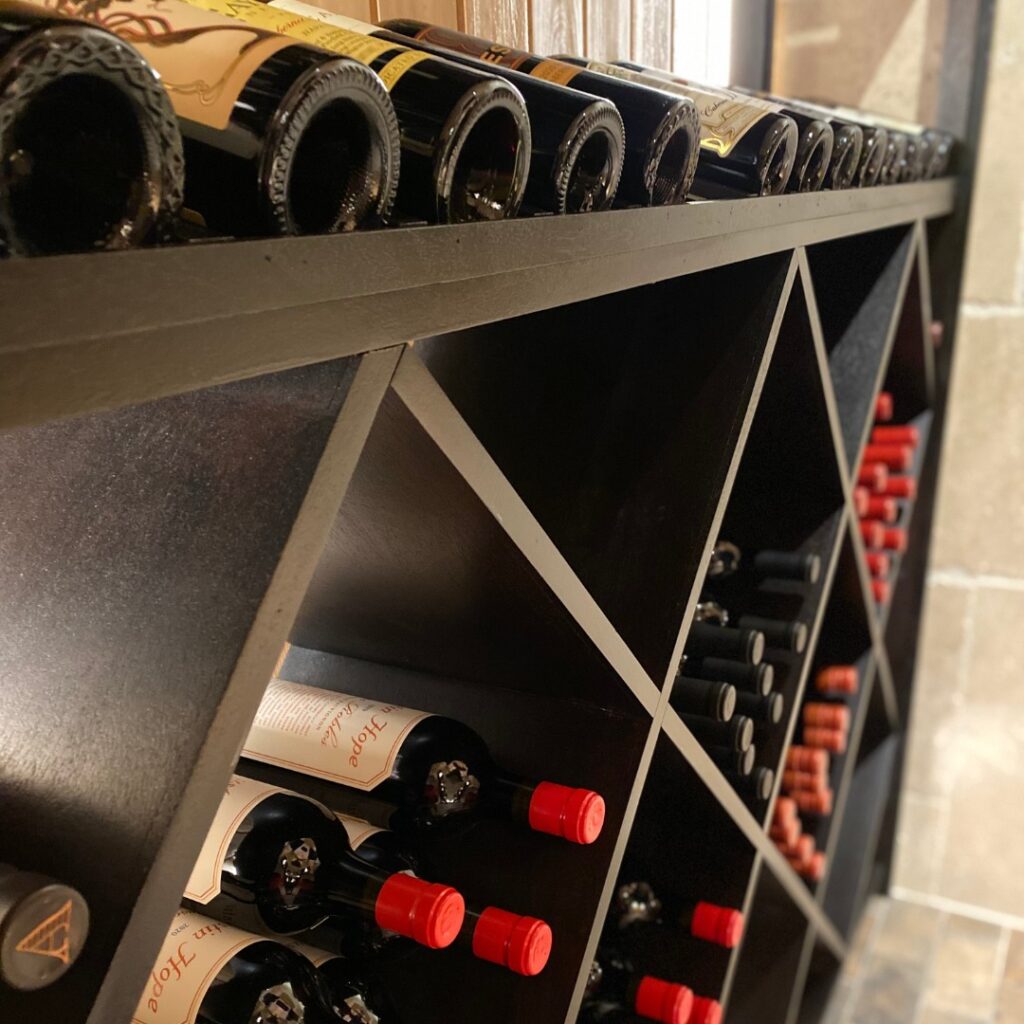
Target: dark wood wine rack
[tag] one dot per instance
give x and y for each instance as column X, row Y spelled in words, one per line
column 493, row 458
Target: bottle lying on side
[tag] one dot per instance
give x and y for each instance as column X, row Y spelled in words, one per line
column 208, row 972
column 465, row 134
column 287, row 139
column 577, row 139
column 662, row 131
column 748, row 147
column 402, row 769
column 89, row 144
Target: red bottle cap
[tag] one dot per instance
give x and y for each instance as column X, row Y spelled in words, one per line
column 905, row 434
column 900, row 487
column 892, row 456
column 872, row 532
column 522, row 944
column 785, row 834
column 881, row 591
column 705, row 1011
column 882, row 507
column 805, row 847
column 793, row 781
column 806, row 759
column 785, row 810
column 837, row 679
column 895, row 539
column 878, row 563
column 815, row 870
column 828, row 716
column 883, row 406
column 832, row 740
column 721, row 925
column 935, row 332
column 874, row 476
column 663, row 1001
column 573, row 814
column 861, row 497
column 429, row 913
column 814, row 803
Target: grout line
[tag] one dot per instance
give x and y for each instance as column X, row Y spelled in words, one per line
column 990, row 310
column 961, row 579
column 950, row 906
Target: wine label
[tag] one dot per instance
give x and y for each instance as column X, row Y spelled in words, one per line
column 358, row 830
column 334, row 736
column 330, row 32
column 241, row 796
column 195, row 950
column 204, row 60
column 725, row 117
column 317, row 957
column 471, row 46
column 556, row 71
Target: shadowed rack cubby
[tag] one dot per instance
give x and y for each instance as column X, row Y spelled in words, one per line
column 476, row 469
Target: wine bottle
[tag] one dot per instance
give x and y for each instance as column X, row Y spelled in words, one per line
column 881, row 507
column 874, row 476
column 905, row 434
column 758, row 785
column 710, row 636
column 517, row 942
column 828, row 716
column 896, row 457
column 662, row 131
column 748, row 146
column 277, row 861
column 616, row 992
column 465, row 135
column 727, row 561
column 577, row 140
column 43, row 927
column 837, row 679
column 899, row 486
column 884, row 407
column 878, row 562
column 400, row 768
column 282, row 138
column 714, row 700
column 733, row 762
column 766, row 710
column 356, row 995
column 636, row 906
column 91, row 150
column 784, row 634
column 208, row 972
column 938, row 151
column 736, row 734
column 876, row 145
column 758, row 678
column 895, row 159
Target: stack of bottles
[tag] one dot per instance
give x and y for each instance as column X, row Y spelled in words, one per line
column 885, row 488
column 314, row 123
column 640, row 928
column 725, row 688
column 806, row 780
column 343, row 870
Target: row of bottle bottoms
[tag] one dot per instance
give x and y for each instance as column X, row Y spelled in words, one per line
column 724, row 691
column 806, row 779
column 347, row 871
column 884, row 492
column 244, row 118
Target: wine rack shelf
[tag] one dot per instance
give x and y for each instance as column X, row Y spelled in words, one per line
column 494, row 459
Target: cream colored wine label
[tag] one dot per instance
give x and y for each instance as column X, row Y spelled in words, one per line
column 317, row 957
column 204, row 60
column 241, row 796
column 725, row 117
column 358, row 830
column 329, row 33
column 334, row 736
column 194, row 952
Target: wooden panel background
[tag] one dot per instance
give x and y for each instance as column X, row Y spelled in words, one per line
column 640, row 30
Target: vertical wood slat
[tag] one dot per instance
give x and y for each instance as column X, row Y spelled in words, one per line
column 652, row 32
column 608, row 29
column 504, row 21
column 556, row 26
column 361, row 10
column 436, row 12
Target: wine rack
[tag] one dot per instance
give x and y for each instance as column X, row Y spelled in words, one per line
column 492, row 458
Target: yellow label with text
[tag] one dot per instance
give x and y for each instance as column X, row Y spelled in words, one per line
column 555, row 71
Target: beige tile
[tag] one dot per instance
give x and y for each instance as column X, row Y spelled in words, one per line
column 994, row 244
column 983, row 859
column 909, row 933
column 1014, row 971
column 933, row 1015
column 864, row 937
column 981, row 502
column 935, row 690
column 1011, row 992
column 888, row 994
column 997, row 654
column 964, row 976
column 919, row 838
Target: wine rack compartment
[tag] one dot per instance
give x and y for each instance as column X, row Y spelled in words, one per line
column 488, row 485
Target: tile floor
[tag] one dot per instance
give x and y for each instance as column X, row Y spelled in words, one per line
column 912, row 964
